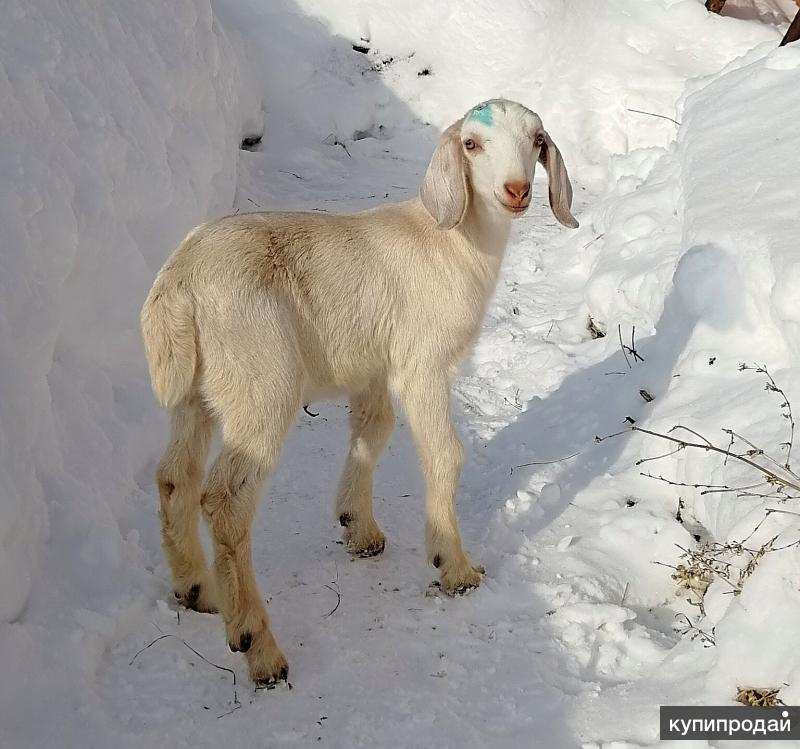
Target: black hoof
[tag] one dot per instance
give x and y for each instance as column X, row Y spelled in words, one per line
column 463, row 590
column 371, row 551
column 345, row 519
column 273, row 681
column 437, row 560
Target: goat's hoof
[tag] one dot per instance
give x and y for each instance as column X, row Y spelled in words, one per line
column 268, row 667
column 197, row 598
column 461, row 580
column 364, row 543
column 273, row 681
column 462, row 590
column 372, row 550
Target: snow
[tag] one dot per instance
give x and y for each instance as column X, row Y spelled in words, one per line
column 121, row 128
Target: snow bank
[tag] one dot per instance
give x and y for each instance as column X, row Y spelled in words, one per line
column 696, row 245
column 740, row 205
column 120, row 129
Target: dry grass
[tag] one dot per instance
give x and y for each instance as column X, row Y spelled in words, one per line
column 757, row 697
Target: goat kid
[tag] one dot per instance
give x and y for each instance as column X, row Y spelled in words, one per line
column 254, row 314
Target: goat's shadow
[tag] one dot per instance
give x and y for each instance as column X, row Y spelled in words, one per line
column 598, row 400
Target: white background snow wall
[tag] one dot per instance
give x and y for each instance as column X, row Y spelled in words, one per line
column 120, row 130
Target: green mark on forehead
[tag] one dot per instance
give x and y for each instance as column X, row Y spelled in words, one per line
column 482, row 113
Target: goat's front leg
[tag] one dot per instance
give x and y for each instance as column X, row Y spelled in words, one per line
column 371, row 422
column 427, row 405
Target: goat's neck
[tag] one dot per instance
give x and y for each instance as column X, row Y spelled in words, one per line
column 487, row 231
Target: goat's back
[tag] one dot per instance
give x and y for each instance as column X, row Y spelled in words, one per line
column 343, row 298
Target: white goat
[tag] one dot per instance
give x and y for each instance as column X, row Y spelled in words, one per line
column 253, row 314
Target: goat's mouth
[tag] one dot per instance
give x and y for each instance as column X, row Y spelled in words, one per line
column 516, row 210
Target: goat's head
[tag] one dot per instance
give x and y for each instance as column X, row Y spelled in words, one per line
column 489, row 155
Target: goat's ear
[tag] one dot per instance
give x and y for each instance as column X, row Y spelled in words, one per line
column 559, row 186
column 444, row 191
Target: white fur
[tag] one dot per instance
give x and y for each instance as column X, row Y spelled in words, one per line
column 255, row 314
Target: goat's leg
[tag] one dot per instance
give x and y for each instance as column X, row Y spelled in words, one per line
column 180, row 476
column 251, row 443
column 427, row 406
column 371, row 422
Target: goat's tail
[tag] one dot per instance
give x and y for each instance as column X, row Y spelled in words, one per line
column 168, row 329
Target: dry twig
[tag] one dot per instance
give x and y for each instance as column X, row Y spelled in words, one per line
column 653, row 114
column 786, row 406
column 545, row 462
column 685, row 627
column 333, row 586
column 789, row 482
column 236, row 703
column 629, row 349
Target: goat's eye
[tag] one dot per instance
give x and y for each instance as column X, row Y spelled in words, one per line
column 469, row 144
column 539, row 139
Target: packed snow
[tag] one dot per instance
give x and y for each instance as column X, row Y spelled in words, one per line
column 120, row 130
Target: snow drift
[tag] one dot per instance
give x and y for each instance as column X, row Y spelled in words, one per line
column 120, row 129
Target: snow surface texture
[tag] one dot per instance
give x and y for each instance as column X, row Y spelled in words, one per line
column 120, row 129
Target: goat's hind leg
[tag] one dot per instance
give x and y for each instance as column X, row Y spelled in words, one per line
column 371, row 421
column 252, row 438
column 180, row 477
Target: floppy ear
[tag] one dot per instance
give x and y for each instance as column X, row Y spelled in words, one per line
column 444, row 191
column 559, row 185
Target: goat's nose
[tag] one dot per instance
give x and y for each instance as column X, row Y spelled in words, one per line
column 517, row 191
